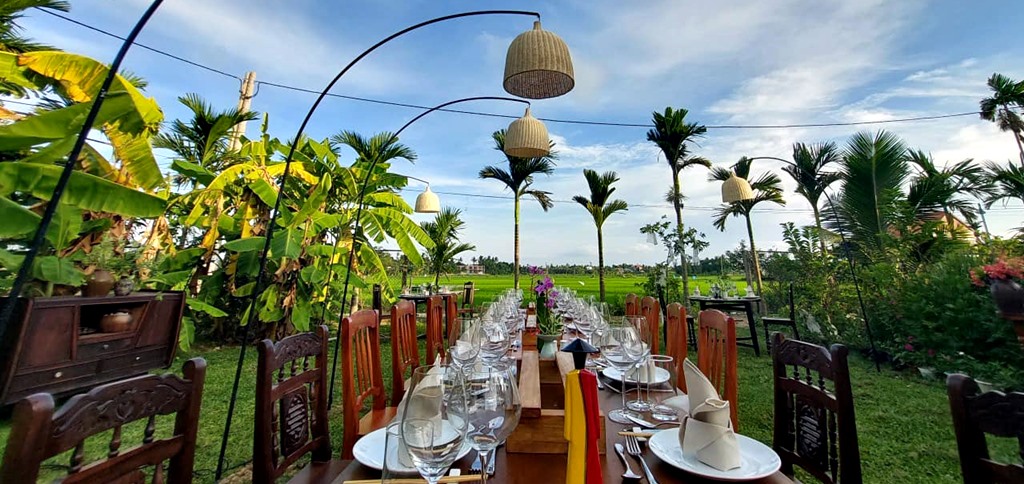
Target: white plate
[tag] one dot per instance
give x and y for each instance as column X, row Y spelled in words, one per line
column 369, row 451
column 756, row 459
column 660, row 376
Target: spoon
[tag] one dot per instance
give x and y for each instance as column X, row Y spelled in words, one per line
column 629, row 474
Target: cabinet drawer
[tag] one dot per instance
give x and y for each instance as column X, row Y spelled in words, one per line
column 46, row 379
column 132, row 362
column 102, row 350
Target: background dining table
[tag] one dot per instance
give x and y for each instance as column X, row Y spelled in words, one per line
column 746, row 304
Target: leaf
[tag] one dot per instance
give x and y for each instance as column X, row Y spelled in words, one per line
column 209, row 309
column 270, row 309
column 301, row 313
column 136, row 155
column 266, row 192
column 84, row 191
column 174, row 279
column 244, row 290
column 57, row 270
column 12, row 73
column 59, row 124
column 183, row 259
column 286, row 243
column 10, row 262
column 65, row 227
column 187, row 334
column 18, row 220
column 193, row 170
column 247, row 244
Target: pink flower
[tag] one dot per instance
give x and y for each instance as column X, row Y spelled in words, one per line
column 908, row 347
column 910, row 339
column 549, row 303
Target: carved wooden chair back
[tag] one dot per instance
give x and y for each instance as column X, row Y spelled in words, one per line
column 435, row 328
column 38, row 432
column 405, row 352
column 716, row 356
column 650, row 309
column 632, row 305
column 677, row 336
column 815, row 427
column 291, row 404
column 976, row 414
column 362, row 377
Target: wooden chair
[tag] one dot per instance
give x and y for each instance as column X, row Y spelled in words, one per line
column 632, row 305
column 716, row 356
column 815, row 426
column 468, row 299
column 405, row 352
column 650, row 309
column 39, row 433
column 789, row 322
column 451, row 315
column 676, row 344
column 435, row 329
column 291, row 409
column 976, row 414
column 362, row 378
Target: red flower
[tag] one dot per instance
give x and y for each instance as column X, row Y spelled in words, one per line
column 908, row 347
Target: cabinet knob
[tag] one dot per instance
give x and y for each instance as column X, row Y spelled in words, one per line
column 137, row 358
column 106, row 346
column 58, row 374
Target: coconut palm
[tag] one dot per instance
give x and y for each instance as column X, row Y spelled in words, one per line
column 874, row 168
column 1007, row 183
column 808, row 171
column 519, row 179
column 600, row 208
column 672, row 133
column 11, row 39
column 767, row 188
column 1007, row 95
column 444, row 231
column 951, row 191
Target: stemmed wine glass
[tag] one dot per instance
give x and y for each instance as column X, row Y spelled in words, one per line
column 639, row 354
column 618, row 344
column 493, row 410
column 495, row 342
column 464, row 348
column 434, row 422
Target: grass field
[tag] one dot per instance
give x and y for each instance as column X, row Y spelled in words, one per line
column 903, row 422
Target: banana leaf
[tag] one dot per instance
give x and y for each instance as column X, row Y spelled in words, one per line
column 84, row 191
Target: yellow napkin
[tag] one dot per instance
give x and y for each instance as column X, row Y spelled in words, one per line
column 707, row 432
column 575, row 429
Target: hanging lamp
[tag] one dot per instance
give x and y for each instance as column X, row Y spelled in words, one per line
column 538, row 65
column 428, row 202
column 736, row 189
column 527, row 137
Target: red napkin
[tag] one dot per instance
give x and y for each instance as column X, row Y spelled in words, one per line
column 592, row 410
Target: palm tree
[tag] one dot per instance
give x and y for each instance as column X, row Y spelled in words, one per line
column 11, row 38
column 519, row 178
column 950, row 190
column 808, row 171
column 1007, row 95
column 875, row 167
column 671, row 133
column 600, row 208
column 444, row 231
column 767, row 188
column 1007, row 183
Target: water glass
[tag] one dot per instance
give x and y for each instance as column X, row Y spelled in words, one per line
column 662, row 364
column 619, row 336
column 434, row 422
column 493, row 409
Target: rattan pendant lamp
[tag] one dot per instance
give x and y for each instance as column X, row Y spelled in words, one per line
column 427, row 202
column 538, row 65
column 736, row 189
column 527, row 137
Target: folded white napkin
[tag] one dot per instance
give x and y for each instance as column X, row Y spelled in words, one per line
column 707, row 431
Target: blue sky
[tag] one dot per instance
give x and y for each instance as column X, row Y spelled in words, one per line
column 744, row 62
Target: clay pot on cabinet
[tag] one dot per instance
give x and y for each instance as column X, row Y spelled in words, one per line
column 99, row 284
column 116, row 322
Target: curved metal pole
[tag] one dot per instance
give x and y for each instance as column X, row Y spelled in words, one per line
column 359, row 212
column 258, row 287
column 7, row 311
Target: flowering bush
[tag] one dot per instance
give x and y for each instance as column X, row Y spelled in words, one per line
column 1002, row 269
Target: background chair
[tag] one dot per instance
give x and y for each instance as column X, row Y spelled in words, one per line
column 789, row 322
column 716, row 356
column 815, row 427
column 650, row 309
column 405, row 352
column 632, row 305
column 361, row 378
column 38, row 433
column 468, row 300
column 435, row 329
column 292, row 394
column 976, row 414
column 377, row 302
column 676, row 342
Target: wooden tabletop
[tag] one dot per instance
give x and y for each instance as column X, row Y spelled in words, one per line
column 550, row 468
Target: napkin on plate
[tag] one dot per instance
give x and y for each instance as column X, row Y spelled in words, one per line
column 707, row 431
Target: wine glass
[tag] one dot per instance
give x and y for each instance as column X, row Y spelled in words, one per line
column 495, row 342
column 493, row 409
column 434, row 422
column 618, row 336
column 639, row 354
column 465, row 347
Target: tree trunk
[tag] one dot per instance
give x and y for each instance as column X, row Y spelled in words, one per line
column 1020, row 147
column 753, row 255
column 600, row 262
column 515, row 258
column 817, row 223
column 679, row 230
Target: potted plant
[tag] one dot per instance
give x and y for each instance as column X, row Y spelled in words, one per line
column 100, row 263
column 549, row 324
column 1002, row 277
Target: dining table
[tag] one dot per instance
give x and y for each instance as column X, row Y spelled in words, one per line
column 747, row 304
column 421, row 298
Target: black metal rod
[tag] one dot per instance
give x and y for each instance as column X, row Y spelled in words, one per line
column 258, row 287
column 359, row 212
column 7, row 311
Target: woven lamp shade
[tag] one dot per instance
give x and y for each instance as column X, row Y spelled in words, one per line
column 538, row 65
column 427, row 202
column 527, row 137
column 735, row 189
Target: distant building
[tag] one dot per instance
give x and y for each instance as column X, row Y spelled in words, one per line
column 472, row 269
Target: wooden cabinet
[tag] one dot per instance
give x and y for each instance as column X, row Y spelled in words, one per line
column 56, row 344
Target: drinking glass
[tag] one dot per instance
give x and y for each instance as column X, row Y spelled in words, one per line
column 493, row 409
column 434, row 422
column 639, row 354
column 495, row 342
column 465, row 348
column 665, row 364
column 619, row 336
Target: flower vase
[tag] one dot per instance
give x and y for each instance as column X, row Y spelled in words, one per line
column 548, row 344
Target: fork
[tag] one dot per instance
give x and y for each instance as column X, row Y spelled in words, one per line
column 633, row 449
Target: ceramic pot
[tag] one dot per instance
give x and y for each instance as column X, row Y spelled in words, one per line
column 548, row 345
column 124, row 286
column 116, row 322
column 99, row 284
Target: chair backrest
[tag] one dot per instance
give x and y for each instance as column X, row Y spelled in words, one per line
column 468, row 294
column 976, row 414
column 676, row 344
column 650, row 309
column 815, row 427
column 632, row 305
column 451, row 314
column 405, row 352
column 377, row 301
column 38, row 432
column 716, row 356
column 291, row 404
column 361, row 377
column 435, row 328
